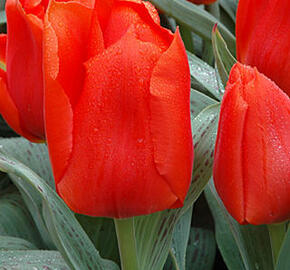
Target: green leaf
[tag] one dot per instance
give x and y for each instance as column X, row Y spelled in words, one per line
column 226, row 19
column 223, row 57
column 180, row 240
column 15, row 219
column 283, row 262
column 201, row 248
column 2, row 64
column 32, row 260
column 15, row 243
column 102, row 233
column 34, row 156
column 68, row 235
column 187, row 38
column 230, row 6
column 242, row 246
column 154, row 232
column 4, row 182
column 195, row 18
column 198, row 102
column 204, row 77
column 2, row 5
column 2, row 15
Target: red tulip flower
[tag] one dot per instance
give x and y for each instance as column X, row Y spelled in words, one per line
column 21, row 84
column 252, row 155
column 117, row 108
column 201, row 2
column 263, row 38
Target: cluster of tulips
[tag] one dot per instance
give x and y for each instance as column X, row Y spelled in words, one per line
column 107, row 88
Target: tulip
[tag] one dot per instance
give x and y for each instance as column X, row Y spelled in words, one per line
column 21, row 76
column 252, row 161
column 263, row 38
column 116, row 108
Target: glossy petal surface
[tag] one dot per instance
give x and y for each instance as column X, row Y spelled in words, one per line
column 3, row 41
column 67, row 32
column 128, row 14
column 170, row 124
column 263, row 38
column 252, row 161
column 112, row 172
column 7, row 106
column 24, row 68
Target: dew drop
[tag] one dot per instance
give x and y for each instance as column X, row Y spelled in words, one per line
column 140, row 140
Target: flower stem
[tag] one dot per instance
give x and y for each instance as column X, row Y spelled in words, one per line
column 277, row 233
column 127, row 243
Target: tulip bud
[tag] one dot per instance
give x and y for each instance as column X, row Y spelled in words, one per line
column 117, row 108
column 252, row 155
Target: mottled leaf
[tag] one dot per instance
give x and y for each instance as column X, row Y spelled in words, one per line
column 242, row 246
column 68, row 235
column 198, row 102
column 15, row 243
column 34, row 156
column 154, row 232
column 15, row 219
column 32, row 260
column 203, row 77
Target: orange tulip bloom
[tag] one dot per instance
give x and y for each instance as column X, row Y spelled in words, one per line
column 117, row 108
column 21, row 86
column 252, row 154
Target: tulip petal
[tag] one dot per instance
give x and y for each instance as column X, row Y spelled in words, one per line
column 153, row 12
column 252, row 161
column 7, row 107
column 96, row 41
column 3, row 41
column 170, row 118
column 151, row 9
column 88, row 3
column 111, row 171
column 128, row 13
column 267, row 152
column 58, row 123
column 263, row 38
column 67, row 33
column 9, row 110
column 25, row 53
column 227, row 168
column 104, row 9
